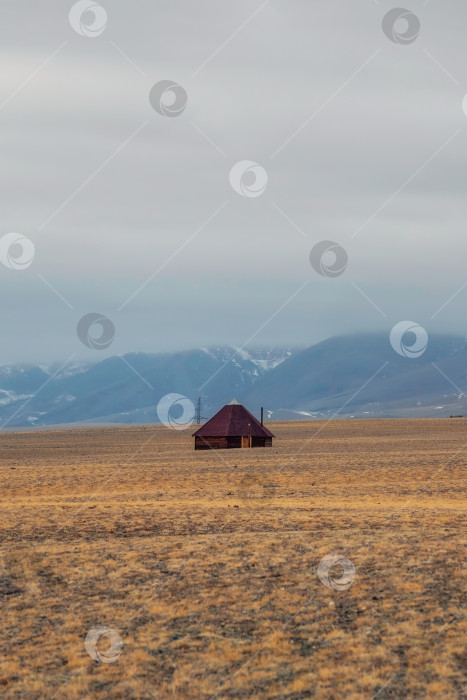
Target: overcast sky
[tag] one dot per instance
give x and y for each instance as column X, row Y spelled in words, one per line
column 132, row 214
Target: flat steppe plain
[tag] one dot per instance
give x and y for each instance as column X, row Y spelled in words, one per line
column 205, row 563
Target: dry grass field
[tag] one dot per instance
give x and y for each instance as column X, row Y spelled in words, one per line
column 205, row 563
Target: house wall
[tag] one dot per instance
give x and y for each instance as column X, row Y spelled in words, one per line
column 262, row 442
column 211, row 443
column 224, row 443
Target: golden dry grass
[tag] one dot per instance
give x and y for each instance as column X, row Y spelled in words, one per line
column 205, row 563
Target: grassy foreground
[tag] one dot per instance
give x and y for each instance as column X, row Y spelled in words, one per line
column 204, row 564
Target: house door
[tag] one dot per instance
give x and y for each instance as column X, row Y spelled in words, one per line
column 245, row 441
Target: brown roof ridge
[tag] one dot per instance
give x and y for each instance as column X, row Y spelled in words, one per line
column 232, row 421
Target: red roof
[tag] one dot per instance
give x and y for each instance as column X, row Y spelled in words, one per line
column 232, row 421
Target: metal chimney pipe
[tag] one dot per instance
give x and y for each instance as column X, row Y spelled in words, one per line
column 261, row 415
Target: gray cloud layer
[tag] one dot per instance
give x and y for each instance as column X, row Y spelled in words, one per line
column 388, row 124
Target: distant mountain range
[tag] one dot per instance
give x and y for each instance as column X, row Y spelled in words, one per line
column 127, row 389
column 352, row 376
column 362, row 376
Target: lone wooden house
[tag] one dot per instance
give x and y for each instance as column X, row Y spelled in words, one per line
column 233, row 426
